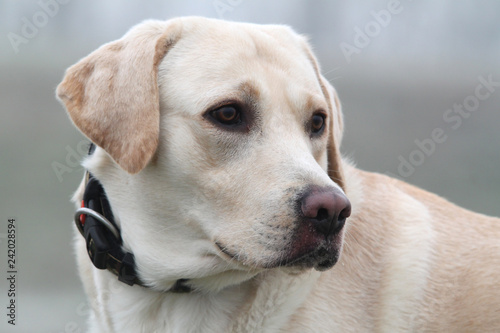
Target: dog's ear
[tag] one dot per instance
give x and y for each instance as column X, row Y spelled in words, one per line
column 112, row 95
column 335, row 170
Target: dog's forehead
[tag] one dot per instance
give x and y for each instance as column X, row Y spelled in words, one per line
column 215, row 59
column 214, row 36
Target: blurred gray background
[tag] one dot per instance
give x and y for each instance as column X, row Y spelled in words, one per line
column 400, row 71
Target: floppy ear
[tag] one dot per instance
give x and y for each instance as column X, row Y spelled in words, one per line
column 336, row 123
column 112, row 94
column 335, row 170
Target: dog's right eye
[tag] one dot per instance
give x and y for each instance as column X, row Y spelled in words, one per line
column 227, row 115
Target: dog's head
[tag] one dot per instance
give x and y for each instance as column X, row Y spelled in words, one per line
column 219, row 148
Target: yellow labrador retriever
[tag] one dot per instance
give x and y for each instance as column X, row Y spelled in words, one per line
column 216, row 199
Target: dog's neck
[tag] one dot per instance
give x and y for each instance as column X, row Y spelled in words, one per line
column 95, row 221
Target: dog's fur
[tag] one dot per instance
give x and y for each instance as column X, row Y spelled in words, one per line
column 217, row 206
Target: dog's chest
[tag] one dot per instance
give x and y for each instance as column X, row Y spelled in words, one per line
column 173, row 313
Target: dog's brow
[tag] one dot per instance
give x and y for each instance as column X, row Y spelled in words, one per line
column 314, row 103
column 250, row 92
column 244, row 92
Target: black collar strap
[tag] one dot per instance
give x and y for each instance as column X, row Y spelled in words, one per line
column 96, row 223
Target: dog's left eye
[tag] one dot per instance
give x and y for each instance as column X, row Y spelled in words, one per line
column 317, row 123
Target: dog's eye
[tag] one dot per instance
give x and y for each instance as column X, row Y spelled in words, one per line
column 317, row 123
column 227, row 115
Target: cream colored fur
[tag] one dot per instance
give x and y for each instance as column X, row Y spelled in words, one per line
column 179, row 185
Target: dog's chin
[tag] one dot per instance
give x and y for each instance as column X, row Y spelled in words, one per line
column 318, row 252
column 320, row 258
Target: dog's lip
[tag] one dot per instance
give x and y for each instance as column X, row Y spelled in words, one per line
column 224, row 250
column 321, row 258
column 230, row 256
column 238, row 260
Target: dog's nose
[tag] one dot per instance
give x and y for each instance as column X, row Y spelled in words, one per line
column 326, row 209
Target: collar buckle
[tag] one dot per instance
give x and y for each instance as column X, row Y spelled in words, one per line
column 96, row 224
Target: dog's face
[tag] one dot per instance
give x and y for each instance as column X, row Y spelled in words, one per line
column 219, row 148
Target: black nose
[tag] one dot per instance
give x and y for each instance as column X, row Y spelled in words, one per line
column 326, row 209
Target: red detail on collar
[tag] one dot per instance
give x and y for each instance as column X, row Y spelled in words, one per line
column 82, row 216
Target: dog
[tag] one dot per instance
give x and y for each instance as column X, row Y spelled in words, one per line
column 217, row 180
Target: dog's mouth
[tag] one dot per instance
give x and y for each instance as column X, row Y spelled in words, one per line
column 321, row 256
column 232, row 256
column 314, row 250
